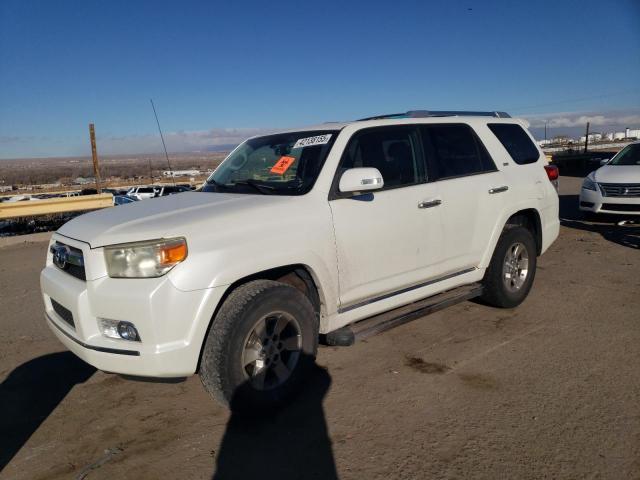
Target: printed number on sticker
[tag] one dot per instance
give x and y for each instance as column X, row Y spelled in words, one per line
column 317, row 140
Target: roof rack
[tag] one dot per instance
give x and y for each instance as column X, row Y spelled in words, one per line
column 438, row 113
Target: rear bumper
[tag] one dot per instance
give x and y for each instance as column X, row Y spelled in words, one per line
column 595, row 202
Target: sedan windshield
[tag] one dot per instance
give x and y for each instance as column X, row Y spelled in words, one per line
column 280, row 164
column 630, row 155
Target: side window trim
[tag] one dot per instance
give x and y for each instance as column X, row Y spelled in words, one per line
column 414, row 133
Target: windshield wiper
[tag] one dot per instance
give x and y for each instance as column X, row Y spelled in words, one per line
column 259, row 187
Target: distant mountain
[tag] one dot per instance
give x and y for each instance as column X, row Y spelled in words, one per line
column 220, row 148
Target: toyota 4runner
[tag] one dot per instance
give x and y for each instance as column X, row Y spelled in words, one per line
column 300, row 234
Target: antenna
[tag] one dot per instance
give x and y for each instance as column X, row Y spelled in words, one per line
column 173, row 178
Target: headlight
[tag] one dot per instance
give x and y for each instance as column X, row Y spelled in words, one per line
column 144, row 259
column 589, row 184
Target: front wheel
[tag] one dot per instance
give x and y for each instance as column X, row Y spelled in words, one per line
column 510, row 275
column 260, row 345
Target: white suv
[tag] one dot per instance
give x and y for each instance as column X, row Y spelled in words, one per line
column 322, row 230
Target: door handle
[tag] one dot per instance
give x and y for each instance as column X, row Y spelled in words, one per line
column 504, row 188
column 430, row 203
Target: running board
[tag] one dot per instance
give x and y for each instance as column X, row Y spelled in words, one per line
column 347, row 336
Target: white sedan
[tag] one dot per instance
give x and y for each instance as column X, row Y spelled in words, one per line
column 615, row 187
column 142, row 193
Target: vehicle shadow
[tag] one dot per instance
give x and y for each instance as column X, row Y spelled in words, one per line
column 291, row 443
column 605, row 225
column 31, row 392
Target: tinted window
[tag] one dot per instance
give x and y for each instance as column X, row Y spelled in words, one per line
column 630, row 155
column 392, row 150
column 454, row 150
column 516, row 141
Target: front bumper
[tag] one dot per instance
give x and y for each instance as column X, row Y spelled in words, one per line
column 595, row 202
column 172, row 323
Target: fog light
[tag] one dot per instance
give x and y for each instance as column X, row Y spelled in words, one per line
column 127, row 331
column 119, row 330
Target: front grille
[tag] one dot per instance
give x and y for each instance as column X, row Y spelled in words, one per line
column 63, row 313
column 76, row 271
column 620, row 189
column 621, row 207
column 69, row 259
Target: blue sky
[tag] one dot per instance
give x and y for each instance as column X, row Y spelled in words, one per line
column 219, row 71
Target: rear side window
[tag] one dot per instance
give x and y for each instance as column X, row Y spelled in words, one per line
column 516, row 141
column 392, row 150
column 454, row 150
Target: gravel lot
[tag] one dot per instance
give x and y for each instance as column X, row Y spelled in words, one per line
column 548, row 390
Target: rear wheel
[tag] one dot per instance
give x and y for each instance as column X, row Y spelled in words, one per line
column 510, row 275
column 262, row 342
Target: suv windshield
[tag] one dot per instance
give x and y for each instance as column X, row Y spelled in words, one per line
column 280, row 164
column 630, row 155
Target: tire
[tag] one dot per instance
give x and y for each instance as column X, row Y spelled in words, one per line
column 510, row 291
column 244, row 355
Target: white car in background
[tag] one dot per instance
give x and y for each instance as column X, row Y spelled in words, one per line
column 142, row 193
column 21, row 198
column 615, row 187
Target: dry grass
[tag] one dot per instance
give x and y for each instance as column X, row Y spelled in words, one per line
column 115, row 170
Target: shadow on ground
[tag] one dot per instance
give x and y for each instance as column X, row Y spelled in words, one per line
column 31, row 392
column 605, row 225
column 292, row 443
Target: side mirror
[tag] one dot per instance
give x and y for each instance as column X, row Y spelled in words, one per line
column 604, row 161
column 360, row 179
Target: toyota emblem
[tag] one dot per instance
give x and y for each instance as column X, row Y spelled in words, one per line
column 60, row 256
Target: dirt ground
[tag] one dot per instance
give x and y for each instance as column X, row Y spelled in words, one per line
column 550, row 389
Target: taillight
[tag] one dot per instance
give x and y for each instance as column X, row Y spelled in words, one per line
column 553, row 173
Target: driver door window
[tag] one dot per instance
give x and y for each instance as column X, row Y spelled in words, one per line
column 394, row 151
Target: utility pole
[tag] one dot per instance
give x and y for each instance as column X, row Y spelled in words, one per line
column 150, row 171
column 586, row 139
column 545, row 130
column 94, row 154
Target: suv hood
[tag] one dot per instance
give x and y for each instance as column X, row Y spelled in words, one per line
column 173, row 215
column 618, row 174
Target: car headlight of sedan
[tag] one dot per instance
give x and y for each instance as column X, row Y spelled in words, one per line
column 589, row 184
column 144, row 259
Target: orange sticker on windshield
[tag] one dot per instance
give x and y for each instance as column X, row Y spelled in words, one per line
column 283, row 165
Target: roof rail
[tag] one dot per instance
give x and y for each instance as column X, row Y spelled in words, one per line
column 438, row 113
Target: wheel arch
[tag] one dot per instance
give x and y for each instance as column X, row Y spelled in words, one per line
column 526, row 216
column 530, row 219
column 300, row 276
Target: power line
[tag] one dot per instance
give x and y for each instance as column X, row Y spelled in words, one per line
column 573, row 100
